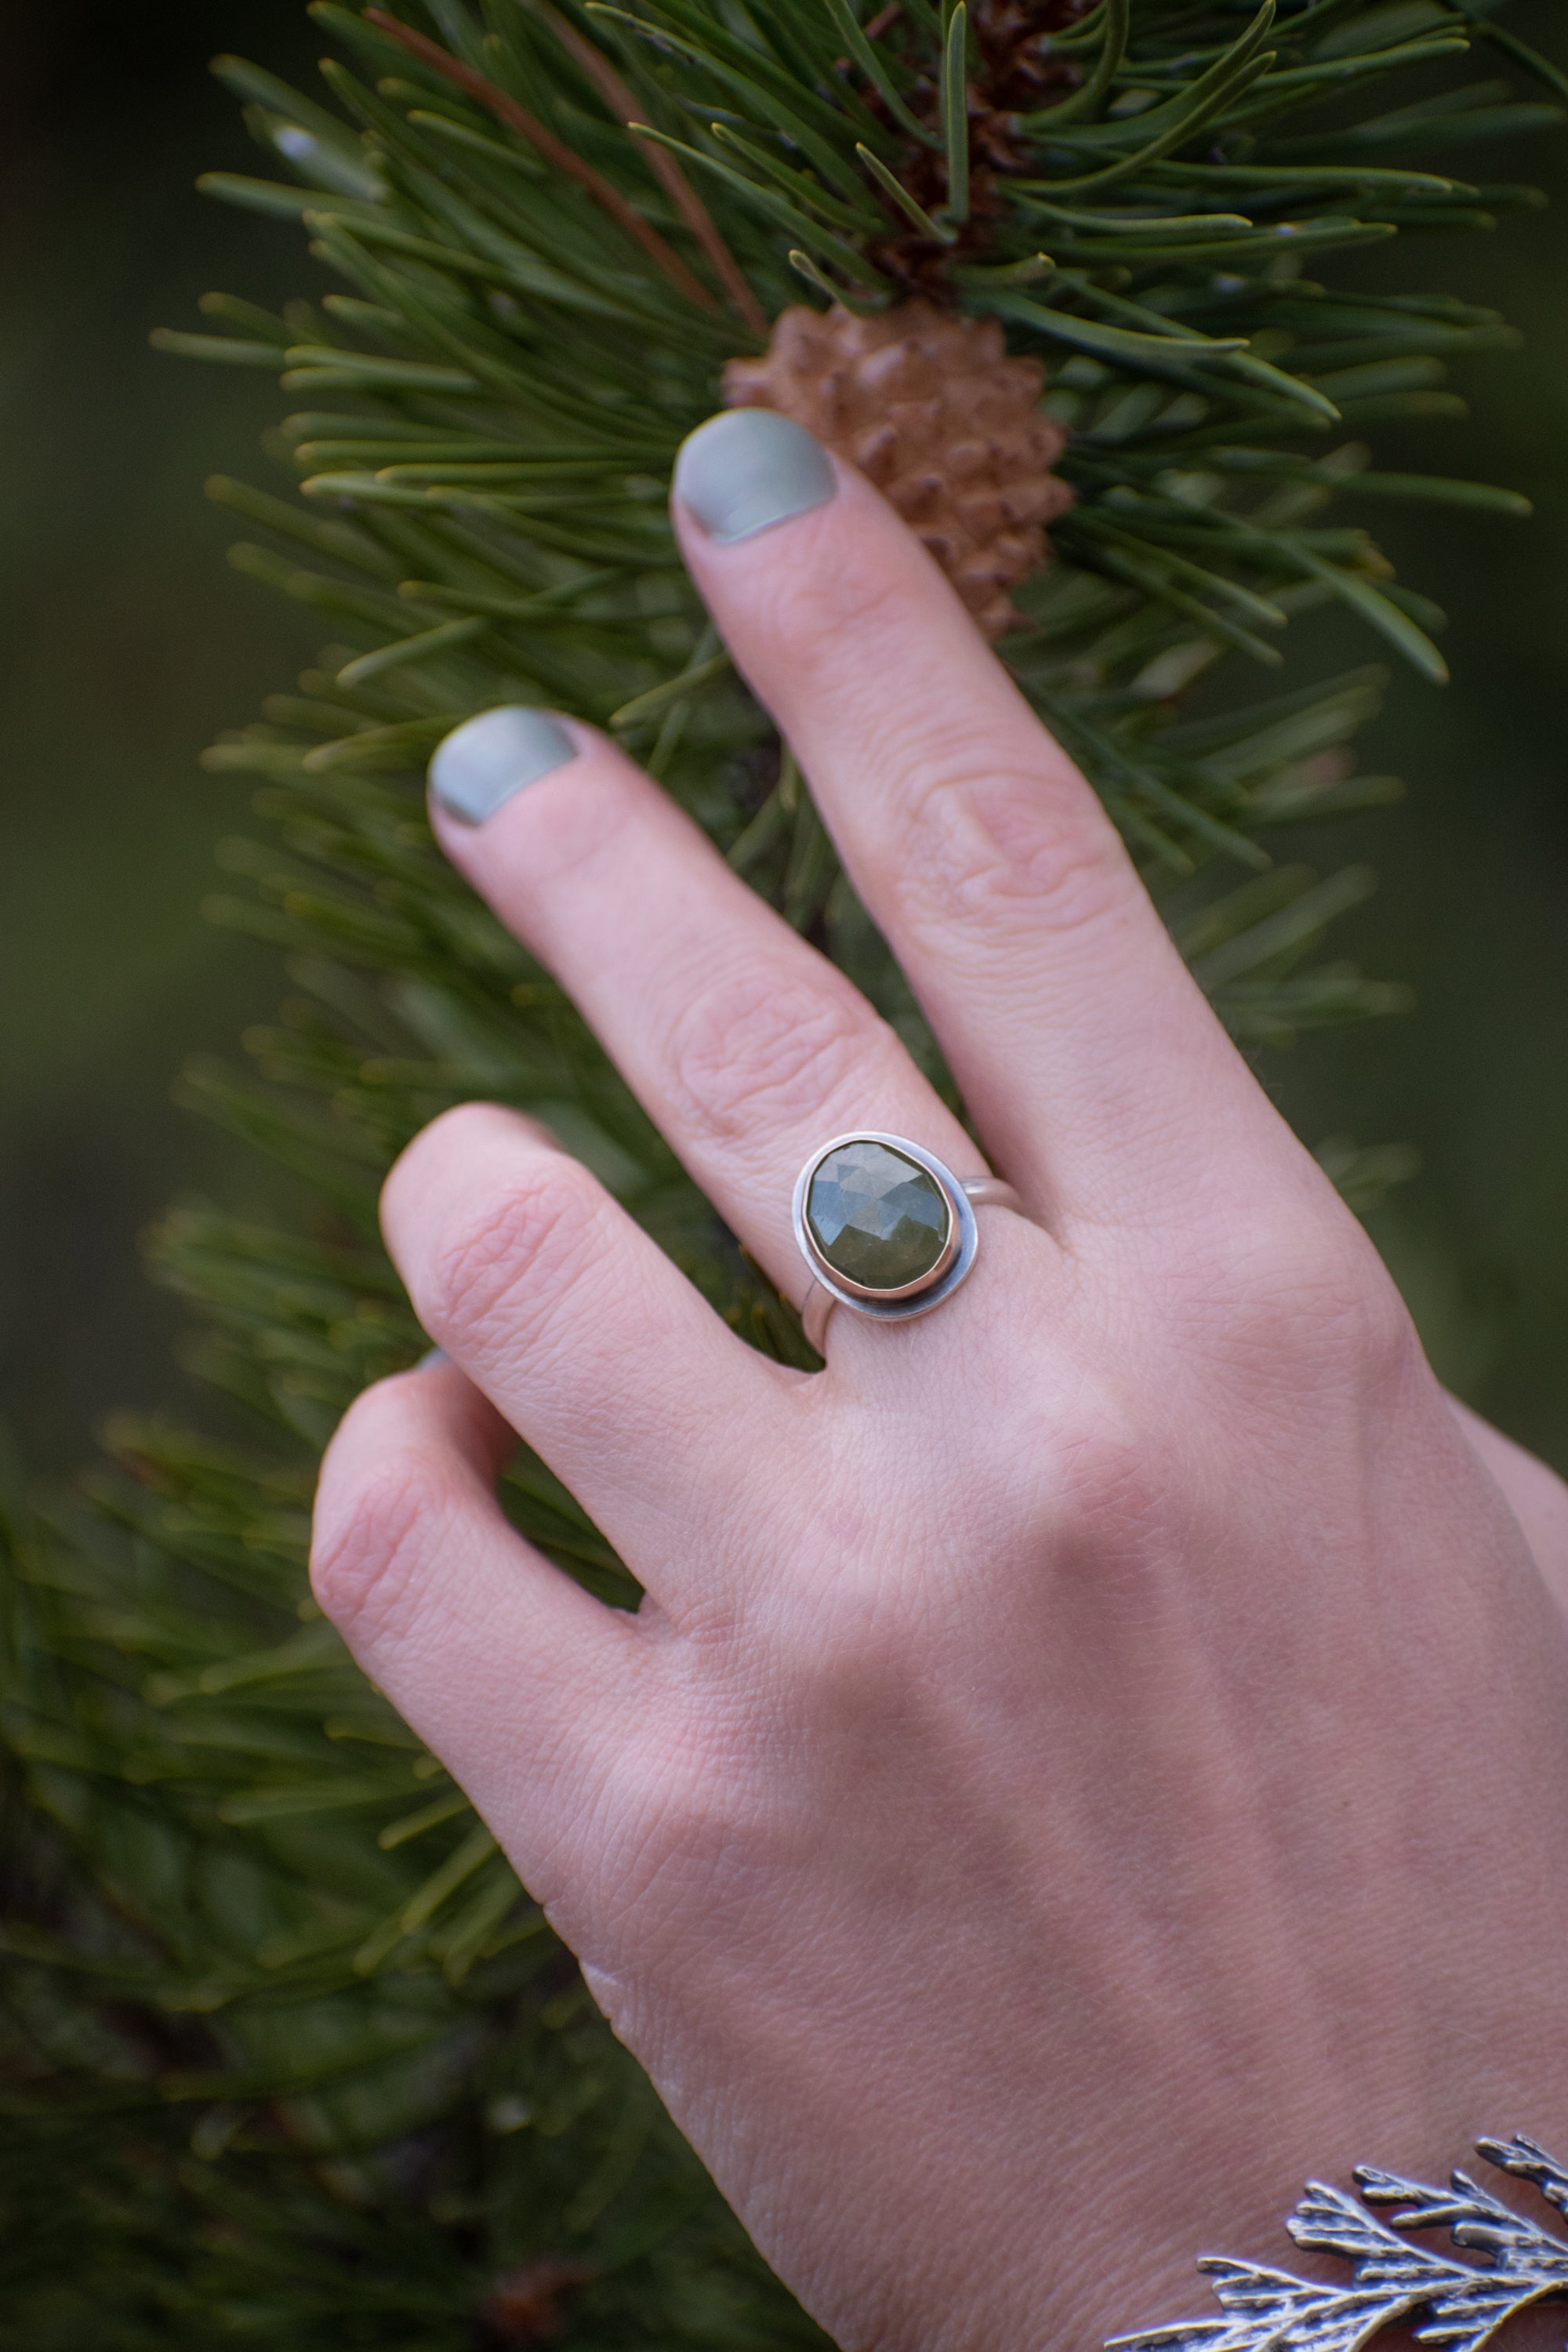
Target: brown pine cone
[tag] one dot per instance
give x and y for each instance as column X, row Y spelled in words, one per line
column 932, row 410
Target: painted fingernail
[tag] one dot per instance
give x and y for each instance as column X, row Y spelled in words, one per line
column 749, row 468
column 480, row 765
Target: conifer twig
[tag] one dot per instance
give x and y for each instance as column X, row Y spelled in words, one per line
column 693, row 211
column 566, row 159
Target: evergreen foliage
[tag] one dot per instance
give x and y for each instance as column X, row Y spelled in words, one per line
column 289, row 2058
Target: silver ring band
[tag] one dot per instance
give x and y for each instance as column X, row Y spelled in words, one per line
column 885, row 1228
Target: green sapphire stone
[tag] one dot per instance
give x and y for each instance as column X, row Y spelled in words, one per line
column 876, row 1216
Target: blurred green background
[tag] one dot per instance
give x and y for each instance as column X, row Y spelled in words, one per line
column 129, row 645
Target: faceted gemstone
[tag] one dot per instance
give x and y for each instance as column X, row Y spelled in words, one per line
column 876, row 1216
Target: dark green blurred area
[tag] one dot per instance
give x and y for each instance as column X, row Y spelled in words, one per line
column 129, row 645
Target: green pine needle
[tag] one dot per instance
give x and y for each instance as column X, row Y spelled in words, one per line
column 292, row 2056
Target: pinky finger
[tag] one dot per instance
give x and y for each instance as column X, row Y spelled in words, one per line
column 514, row 1676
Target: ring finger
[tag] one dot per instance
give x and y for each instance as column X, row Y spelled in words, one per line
column 745, row 1046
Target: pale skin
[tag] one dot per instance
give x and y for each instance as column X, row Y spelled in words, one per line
column 1091, row 1756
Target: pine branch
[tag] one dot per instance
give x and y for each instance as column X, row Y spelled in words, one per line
column 517, row 118
column 288, row 2049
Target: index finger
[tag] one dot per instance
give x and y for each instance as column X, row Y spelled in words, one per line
column 1065, row 1012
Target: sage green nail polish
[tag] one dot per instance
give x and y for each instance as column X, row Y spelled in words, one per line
column 749, row 468
column 480, row 765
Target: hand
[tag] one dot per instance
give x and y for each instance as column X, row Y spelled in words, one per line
column 1090, row 1757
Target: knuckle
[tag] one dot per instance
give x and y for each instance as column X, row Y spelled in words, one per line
column 371, row 1534
column 1099, row 1473
column 513, row 1253
column 999, row 822
column 759, row 1049
column 1352, row 1311
column 984, row 845
column 1111, row 1473
column 1305, row 1293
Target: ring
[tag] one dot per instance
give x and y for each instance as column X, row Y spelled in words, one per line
column 885, row 1228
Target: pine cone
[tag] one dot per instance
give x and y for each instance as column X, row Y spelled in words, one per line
column 932, row 410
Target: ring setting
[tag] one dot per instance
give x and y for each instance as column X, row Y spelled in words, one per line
column 885, row 1228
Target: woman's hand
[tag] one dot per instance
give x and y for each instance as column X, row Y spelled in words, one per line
column 1092, row 1756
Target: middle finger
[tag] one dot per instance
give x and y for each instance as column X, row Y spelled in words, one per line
column 1084, row 1048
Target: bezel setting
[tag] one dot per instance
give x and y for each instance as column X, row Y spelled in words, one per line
column 931, row 1288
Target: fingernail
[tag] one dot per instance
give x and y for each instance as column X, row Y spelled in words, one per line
column 749, row 468
column 484, row 762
